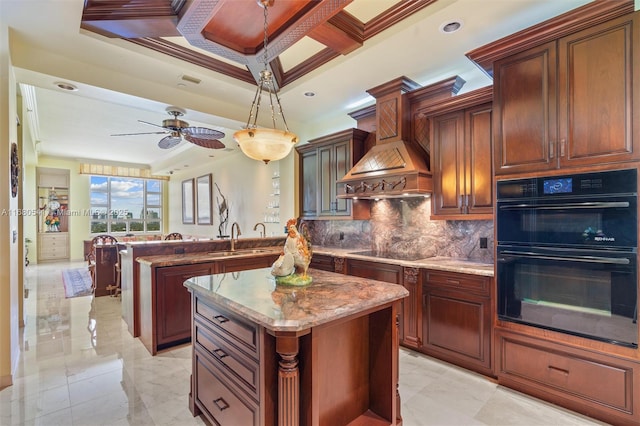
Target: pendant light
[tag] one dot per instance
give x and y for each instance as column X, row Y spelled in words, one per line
column 265, row 144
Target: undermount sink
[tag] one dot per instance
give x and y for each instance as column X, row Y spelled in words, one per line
column 223, row 253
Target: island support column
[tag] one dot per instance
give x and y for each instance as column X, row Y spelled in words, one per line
column 288, row 380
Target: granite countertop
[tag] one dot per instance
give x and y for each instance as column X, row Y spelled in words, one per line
column 254, row 295
column 162, row 260
column 438, row 263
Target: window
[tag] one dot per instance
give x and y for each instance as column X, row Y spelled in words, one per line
column 125, row 205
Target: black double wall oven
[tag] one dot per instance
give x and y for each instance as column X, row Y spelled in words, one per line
column 567, row 254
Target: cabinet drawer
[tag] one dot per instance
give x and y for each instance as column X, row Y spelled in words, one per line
column 244, row 371
column 224, row 404
column 238, row 332
column 477, row 284
column 593, row 380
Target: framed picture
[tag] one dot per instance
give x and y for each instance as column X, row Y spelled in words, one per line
column 188, row 197
column 204, row 207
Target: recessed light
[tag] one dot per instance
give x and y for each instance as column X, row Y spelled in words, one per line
column 66, row 86
column 450, row 27
column 309, row 94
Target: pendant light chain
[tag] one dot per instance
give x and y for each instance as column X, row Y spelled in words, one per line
column 266, row 144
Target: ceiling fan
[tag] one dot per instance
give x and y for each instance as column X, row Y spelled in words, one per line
column 178, row 129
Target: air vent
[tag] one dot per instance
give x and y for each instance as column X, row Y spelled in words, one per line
column 191, row 79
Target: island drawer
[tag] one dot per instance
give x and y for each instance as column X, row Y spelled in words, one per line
column 240, row 333
column 466, row 282
column 224, row 404
column 243, row 370
column 581, row 375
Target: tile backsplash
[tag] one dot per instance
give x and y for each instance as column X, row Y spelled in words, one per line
column 403, row 226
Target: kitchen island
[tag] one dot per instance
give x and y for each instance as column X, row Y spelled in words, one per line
column 265, row 354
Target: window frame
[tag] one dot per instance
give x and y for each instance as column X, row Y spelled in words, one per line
column 111, row 217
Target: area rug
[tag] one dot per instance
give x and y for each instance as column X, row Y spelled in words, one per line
column 77, row 282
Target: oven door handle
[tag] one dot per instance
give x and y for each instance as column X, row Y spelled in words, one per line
column 585, row 259
column 585, row 205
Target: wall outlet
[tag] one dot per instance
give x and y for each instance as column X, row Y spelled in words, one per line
column 483, row 242
column 341, row 237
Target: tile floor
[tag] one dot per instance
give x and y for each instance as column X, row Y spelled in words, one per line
column 80, row 366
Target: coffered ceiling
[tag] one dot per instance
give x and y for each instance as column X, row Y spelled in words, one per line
column 131, row 59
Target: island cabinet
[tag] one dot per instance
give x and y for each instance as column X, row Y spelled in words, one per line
column 587, row 381
column 244, row 263
column 165, row 308
column 457, row 319
column 269, row 355
column 324, row 161
column 165, row 304
column 570, row 102
column 410, row 308
column 233, row 360
column 462, row 163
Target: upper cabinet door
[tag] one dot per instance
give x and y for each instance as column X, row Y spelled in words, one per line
column 448, row 164
column 596, row 79
column 462, row 164
column 309, row 183
column 524, row 108
column 479, row 163
column 323, row 162
column 570, row 102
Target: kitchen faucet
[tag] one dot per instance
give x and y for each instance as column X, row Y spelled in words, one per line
column 238, row 233
column 263, row 233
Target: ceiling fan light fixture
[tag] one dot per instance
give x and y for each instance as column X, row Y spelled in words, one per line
column 266, row 144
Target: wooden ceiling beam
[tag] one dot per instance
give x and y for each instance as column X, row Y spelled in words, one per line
column 342, row 33
column 132, row 18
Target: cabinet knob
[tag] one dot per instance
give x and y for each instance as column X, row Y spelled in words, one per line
column 552, row 149
column 221, row 404
column 563, row 143
column 220, row 353
column 221, row 319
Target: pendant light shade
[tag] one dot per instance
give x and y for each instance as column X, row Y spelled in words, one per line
column 266, row 144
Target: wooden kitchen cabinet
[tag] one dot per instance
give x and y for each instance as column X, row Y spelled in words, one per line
column 166, row 314
column 570, row 102
column 245, row 263
column 231, row 360
column 165, row 303
column 457, row 319
column 585, row 381
column 409, row 326
column 322, row 162
column 323, row 262
column 462, row 163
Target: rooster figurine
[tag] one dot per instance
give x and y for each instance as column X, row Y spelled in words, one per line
column 299, row 246
column 291, row 267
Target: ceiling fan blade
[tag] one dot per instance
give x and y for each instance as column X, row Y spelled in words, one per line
column 205, row 143
column 169, row 142
column 150, row 124
column 202, row 133
column 133, row 134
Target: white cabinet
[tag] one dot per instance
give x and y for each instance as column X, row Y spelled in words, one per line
column 53, row 222
column 52, row 178
column 53, row 246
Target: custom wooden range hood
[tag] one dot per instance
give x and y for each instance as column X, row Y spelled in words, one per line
column 394, row 167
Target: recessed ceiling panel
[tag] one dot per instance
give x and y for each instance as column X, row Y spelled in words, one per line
column 239, row 24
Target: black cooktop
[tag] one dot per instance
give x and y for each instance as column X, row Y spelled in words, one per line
column 387, row 255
